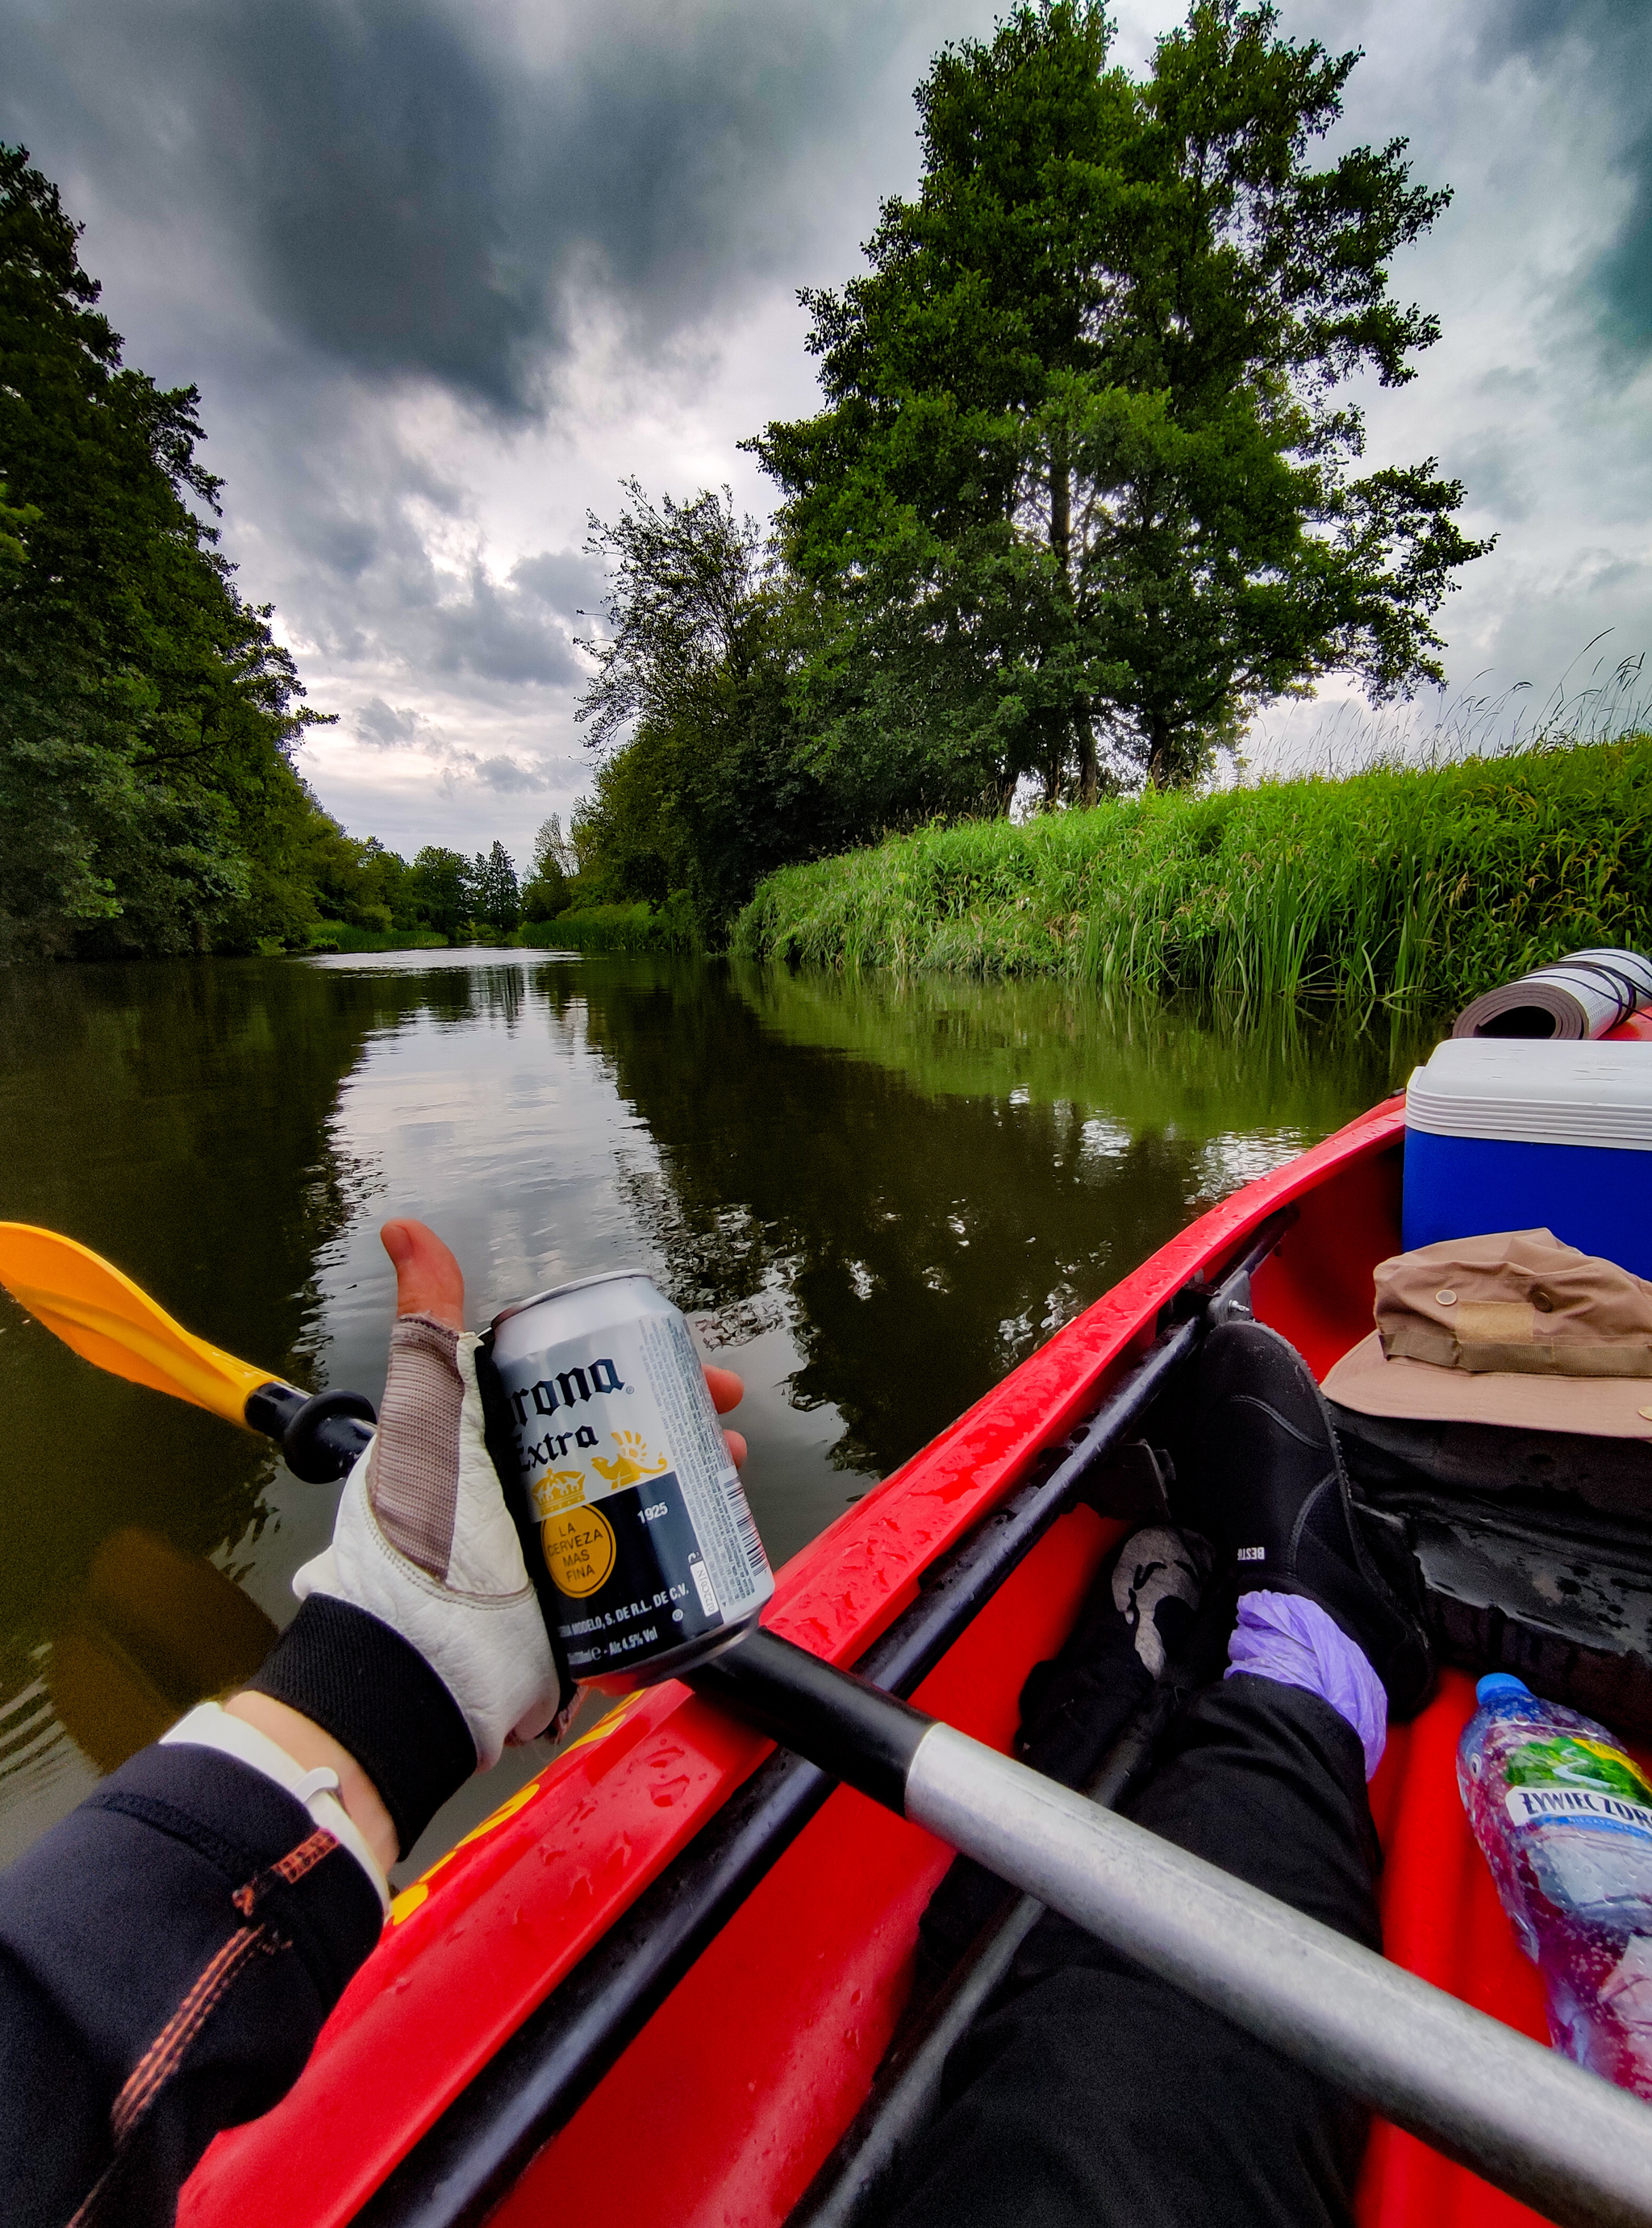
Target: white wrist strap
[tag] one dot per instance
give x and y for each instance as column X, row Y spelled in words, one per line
column 209, row 1726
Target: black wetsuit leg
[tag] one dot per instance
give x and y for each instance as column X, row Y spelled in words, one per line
column 1092, row 2093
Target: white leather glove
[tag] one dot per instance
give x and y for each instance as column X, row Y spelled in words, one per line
column 424, row 1543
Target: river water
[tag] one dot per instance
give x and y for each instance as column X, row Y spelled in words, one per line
column 871, row 1198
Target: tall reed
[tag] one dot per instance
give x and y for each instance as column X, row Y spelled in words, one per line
column 1401, row 885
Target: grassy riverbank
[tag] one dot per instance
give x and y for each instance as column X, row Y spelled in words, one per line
column 346, row 935
column 1398, row 884
column 613, row 928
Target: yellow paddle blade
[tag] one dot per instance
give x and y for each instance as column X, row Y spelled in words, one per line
column 105, row 1317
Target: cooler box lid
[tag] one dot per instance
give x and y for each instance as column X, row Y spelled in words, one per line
column 1534, row 1092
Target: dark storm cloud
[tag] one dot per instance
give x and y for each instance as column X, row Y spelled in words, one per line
column 495, row 633
column 443, row 191
column 1496, row 471
column 569, row 583
column 1605, row 45
column 385, row 726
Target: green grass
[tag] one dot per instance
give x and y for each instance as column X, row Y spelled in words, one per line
column 343, row 936
column 1397, row 885
column 611, row 928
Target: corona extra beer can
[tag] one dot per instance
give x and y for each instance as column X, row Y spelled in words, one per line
column 633, row 1519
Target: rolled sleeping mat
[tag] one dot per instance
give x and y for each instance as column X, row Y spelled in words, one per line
column 1584, row 995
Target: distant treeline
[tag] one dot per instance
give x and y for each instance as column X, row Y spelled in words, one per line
column 1408, row 886
column 371, row 897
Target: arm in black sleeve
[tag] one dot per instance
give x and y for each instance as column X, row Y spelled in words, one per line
column 169, row 1952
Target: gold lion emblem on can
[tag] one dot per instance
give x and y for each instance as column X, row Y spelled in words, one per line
column 580, row 1548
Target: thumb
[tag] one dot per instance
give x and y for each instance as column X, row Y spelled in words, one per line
column 429, row 1281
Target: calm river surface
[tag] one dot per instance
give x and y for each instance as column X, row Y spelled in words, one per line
column 872, row 1198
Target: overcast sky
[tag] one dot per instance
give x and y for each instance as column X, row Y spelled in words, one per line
column 445, row 271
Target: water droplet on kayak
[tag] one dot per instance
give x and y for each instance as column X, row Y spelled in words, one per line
column 668, row 1789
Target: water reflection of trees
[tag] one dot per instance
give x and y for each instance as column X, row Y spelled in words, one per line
column 925, row 1178
column 932, row 1212
column 459, row 997
column 177, row 1120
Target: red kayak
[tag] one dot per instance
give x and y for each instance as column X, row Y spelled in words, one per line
column 654, row 1989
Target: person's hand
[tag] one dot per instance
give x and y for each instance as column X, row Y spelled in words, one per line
column 429, row 1281
column 424, row 1540
column 425, row 1543
column 728, row 1391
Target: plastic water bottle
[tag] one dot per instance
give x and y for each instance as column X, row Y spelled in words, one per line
column 1565, row 1818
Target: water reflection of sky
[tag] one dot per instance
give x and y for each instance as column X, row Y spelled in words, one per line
column 871, row 1199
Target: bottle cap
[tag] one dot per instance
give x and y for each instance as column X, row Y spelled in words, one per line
column 1495, row 1684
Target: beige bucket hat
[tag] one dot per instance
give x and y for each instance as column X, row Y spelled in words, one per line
column 1515, row 1328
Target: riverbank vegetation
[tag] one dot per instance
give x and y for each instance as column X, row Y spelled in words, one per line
column 669, row 927
column 148, row 714
column 1397, row 885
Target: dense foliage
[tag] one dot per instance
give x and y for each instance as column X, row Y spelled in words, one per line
column 715, row 786
column 148, row 715
column 1082, row 496
column 1396, row 885
column 1081, row 488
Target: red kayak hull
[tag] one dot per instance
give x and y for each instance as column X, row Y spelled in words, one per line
column 721, row 2110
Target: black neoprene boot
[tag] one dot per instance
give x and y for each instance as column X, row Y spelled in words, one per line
column 1266, row 1482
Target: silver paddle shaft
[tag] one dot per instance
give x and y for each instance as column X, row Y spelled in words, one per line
column 1562, row 2140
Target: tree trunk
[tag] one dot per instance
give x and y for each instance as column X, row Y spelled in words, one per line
column 1061, row 506
column 1061, row 547
column 1160, row 738
column 1089, row 780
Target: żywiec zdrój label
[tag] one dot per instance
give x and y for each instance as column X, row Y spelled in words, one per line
column 1575, row 1779
column 1527, row 1806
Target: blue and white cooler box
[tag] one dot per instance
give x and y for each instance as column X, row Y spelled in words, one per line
column 1509, row 1134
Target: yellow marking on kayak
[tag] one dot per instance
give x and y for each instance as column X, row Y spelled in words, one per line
column 604, row 1725
column 411, row 1898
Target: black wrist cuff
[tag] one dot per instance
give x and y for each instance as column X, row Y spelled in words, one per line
column 375, row 1694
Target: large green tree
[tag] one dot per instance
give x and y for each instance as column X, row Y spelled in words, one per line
column 1083, row 495
column 707, row 779
column 147, row 713
column 441, row 885
column 498, row 898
